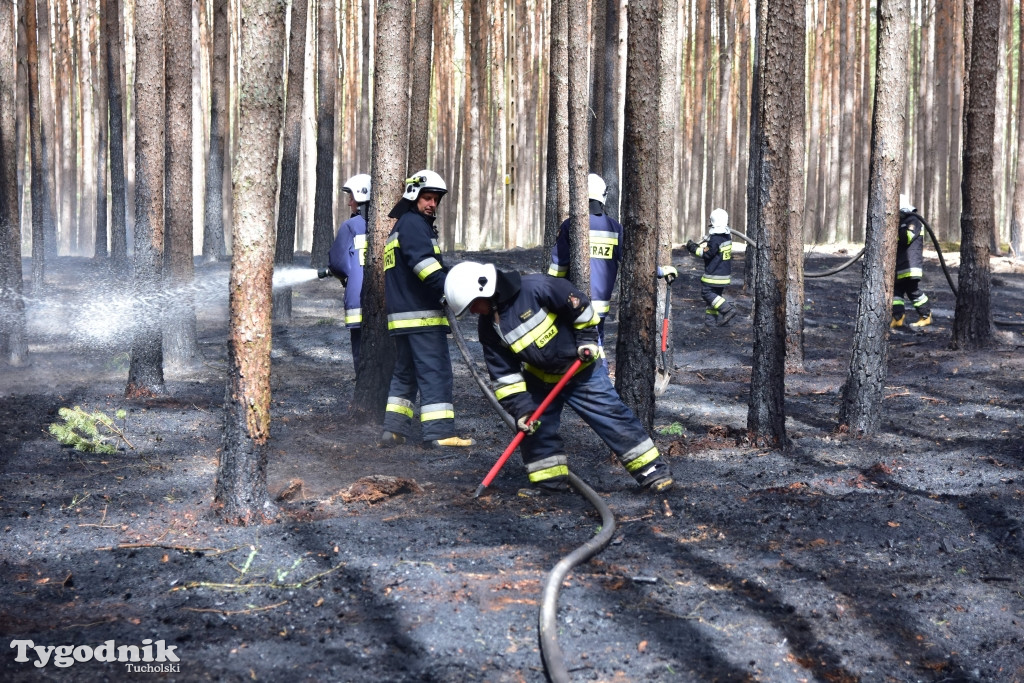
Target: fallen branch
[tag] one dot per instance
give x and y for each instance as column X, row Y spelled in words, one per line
column 165, row 546
column 228, row 613
column 257, row 584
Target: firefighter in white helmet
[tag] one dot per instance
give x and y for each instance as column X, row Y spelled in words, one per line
column 605, row 252
column 348, row 255
column 414, row 285
column 716, row 250
column 533, row 328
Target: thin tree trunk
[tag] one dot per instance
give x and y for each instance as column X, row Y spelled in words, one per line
column 213, row 206
column 240, row 492
column 145, row 371
column 1017, row 217
column 579, row 213
column 47, row 116
column 13, row 345
column 284, row 253
column 972, row 324
column 100, row 242
column 418, row 119
column 612, row 97
column 634, row 376
column 115, row 91
column 668, row 115
column 390, row 110
column 556, row 194
column 180, row 346
column 326, row 79
column 782, row 90
column 40, row 189
column 862, row 394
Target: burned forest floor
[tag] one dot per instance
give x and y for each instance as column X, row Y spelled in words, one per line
column 895, row 557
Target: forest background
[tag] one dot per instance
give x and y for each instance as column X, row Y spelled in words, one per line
column 486, row 108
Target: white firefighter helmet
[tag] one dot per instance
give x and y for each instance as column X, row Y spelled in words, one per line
column 596, row 189
column 719, row 220
column 424, row 180
column 359, row 187
column 905, row 205
column 468, row 281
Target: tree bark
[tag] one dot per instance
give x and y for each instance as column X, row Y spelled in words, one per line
column 634, row 375
column 781, row 104
column 180, row 346
column 284, row 253
column 145, row 371
column 115, row 94
column 556, row 182
column 100, row 243
column 326, row 79
column 972, row 323
column 240, row 492
column 612, row 95
column 13, row 345
column 1017, row 217
column 862, row 395
column 668, row 117
column 390, row 110
column 213, row 206
column 419, row 117
column 579, row 211
column 39, row 187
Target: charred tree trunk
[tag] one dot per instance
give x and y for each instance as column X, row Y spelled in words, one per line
column 972, row 325
column 634, row 376
column 390, row 109
column 861, row 406
column 284, row 253
column 240, row 493
column 146, row 367
column 610, row 129
column 781, row 104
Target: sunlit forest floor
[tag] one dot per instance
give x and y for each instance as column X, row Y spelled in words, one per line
column 897, row 557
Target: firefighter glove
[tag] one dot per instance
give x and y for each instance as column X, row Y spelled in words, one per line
column 526, row 426
column 587, row 352
column 669, row 273
column 691, row 247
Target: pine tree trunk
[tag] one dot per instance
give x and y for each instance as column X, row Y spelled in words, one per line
column 579, row 211
column 13, row 345
column 420, row 85
column 609, row 59
column 862, row 395
column 972, row 324
column 240, row 492
column 145, row 371
column 781, row 117
column 1017, row 217
column 100, row 242
column 634, row 359
column 390, row 109
column 326, row 79
column 556, row 194
column 115, row 94
column 290, row 156
column 180, row 346
column 213, row 207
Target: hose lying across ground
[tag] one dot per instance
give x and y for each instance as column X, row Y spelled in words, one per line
column 548, row 624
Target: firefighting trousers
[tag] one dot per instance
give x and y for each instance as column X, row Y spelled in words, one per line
column 908, row 289
column 714, row 298
column 591, row 395
column 423, row 366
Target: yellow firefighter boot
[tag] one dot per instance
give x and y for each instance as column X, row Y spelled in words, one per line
column 925, row 321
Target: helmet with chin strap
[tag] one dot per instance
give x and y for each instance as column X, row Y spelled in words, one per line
column 468, row 281
column 424, row 181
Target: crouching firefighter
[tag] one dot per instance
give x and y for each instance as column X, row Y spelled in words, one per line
column 533, row 328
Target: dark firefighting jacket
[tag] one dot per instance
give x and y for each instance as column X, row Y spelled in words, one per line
column 717, row 255
column 346, row 260
column 541, row 321
column 605, row 254
column 414, row 276
column 910, row 250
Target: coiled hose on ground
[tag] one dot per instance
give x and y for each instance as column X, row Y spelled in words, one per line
column 550, row 651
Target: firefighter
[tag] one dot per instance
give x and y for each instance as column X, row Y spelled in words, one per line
column 413, row 286
column 348, row 255
column 532, row 328
column 605, row 251
column 909, row 262
column 716, row 250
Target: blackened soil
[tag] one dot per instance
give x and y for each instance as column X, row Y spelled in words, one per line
column 892, row 558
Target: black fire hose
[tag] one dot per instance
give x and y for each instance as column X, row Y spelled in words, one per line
column 548, row 625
